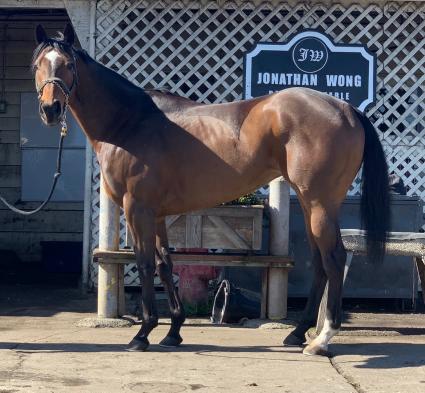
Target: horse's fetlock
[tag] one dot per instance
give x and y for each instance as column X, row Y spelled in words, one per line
column 151, row 322
column 178, row 315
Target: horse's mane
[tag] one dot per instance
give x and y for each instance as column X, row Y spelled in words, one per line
column 161, row 90
column 151, row 98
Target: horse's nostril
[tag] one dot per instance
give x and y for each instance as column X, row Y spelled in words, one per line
column 52, row 111
column 56, row 107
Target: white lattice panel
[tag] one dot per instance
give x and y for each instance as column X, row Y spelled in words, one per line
column 195, row 49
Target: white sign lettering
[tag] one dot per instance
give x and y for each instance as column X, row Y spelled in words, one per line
column 344, row 80
column 286, row 79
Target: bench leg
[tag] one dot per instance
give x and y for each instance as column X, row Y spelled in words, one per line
column 121, row 292
column 107, row 291
column 264, row 282
column 324, row 303
column 277, row 293
column 420, row 264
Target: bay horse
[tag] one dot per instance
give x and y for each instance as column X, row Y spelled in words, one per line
column 162, row 154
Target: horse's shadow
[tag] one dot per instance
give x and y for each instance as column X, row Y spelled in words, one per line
column 89, row 347
column 383, row 355
column 251, row 352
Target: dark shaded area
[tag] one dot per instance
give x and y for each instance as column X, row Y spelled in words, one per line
column 385, row 355
column 43, row 301
column 59, row 267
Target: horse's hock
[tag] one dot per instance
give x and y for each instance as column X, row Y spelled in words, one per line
column 235, row 228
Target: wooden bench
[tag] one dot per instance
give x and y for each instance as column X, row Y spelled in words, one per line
column 122, row 257
column 410, row 244
column 225, row 227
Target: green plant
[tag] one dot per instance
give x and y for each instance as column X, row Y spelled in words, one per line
column 198, row 310
column 248, row 199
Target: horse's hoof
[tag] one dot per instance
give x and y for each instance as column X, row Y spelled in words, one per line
column 315, row 350
column 138, row 344
column 293, row 341
column 171, row 342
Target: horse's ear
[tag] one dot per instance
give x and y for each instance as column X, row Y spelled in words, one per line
column 40, row 34
column 68, row 34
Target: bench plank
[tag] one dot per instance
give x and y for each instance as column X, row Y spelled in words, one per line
column 398, row 243
column 127, row 256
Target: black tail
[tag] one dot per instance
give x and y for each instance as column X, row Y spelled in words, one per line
column 375, row 203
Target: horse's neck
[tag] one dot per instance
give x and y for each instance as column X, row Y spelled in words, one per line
column 103, row 102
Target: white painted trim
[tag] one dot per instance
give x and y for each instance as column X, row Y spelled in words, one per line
column 59, row 3
column 32, row 4
column 268, row 46
column 89, row 169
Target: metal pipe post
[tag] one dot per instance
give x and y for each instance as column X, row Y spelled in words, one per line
column 279, row 245
column 108, row 277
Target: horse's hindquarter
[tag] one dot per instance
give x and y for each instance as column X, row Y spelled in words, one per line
column 325, row 142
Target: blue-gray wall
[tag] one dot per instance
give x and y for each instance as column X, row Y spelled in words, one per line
column 62, row 221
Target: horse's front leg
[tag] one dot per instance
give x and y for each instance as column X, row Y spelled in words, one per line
column 165, row 271
column 141, row 222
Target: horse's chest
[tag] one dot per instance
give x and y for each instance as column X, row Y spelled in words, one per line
column 125, row 172
column 114, row 169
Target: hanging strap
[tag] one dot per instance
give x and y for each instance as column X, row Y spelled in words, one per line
column 55, row 180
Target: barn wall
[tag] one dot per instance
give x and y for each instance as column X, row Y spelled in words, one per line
column 60, row 221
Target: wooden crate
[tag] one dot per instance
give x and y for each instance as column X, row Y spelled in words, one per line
column 228, row 227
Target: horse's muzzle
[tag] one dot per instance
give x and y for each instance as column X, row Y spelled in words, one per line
column 51, row 114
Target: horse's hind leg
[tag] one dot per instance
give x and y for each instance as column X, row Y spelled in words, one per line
column 165, row 271
column 309, row 317
column 326, row 233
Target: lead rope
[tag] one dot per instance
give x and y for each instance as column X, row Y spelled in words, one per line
column 56, row 176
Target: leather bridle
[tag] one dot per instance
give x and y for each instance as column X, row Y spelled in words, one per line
column 63, row 88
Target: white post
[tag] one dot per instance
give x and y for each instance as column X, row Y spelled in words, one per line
column 279, row 245
column 83, row 17
column 108, row 278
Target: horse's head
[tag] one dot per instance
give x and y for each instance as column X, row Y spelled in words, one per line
column 55, row 73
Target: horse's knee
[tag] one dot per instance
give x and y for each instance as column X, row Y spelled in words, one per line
column 178, row 315
column 146, row 270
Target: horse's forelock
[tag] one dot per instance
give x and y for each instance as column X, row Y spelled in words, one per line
column 57, row 42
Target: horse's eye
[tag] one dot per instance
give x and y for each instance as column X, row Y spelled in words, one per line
column 70, row 66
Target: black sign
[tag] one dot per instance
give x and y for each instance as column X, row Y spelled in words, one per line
column 310, row 59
